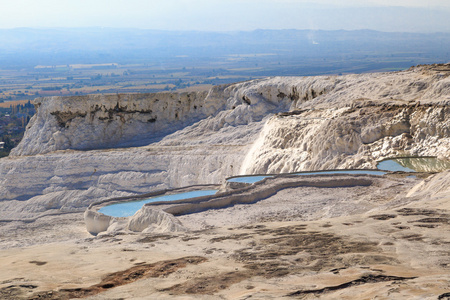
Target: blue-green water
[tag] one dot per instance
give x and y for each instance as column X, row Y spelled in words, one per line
column 365, row 172
column 414, row 164
column 419, row 164
column 248, row 179
column 393, row 166
column 256, row 178
column 127, row 209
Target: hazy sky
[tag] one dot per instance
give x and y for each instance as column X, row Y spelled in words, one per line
column 229, row 15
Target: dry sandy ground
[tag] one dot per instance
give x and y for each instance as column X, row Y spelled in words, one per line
column 302, row 243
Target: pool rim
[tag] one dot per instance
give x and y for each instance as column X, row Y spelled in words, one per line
column 295, row 173
column 99, row 204
column 161, row 202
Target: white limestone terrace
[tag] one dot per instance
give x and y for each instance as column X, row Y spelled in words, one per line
column 80, row 150
column 158, row 217
column 146, row 219
column 112, row 121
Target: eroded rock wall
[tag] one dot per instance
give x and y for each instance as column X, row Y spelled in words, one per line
column 349, row 138
column 356, row 121
column 110, row 121
column 130, row 120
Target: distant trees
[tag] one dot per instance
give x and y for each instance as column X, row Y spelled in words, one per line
column 51, row 88
column 8, row 143
column 13, row 121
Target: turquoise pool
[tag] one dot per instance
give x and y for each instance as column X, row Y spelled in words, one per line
column 393, row 166
column 256, row 178
column 127, row 209
column 365, row 172
column 248, row 179
column 414, row 164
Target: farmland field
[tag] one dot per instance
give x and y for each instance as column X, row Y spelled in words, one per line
column 133, row 61
column 15, row 102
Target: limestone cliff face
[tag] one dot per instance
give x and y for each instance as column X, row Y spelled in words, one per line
column 109, row 121
column 357, row 121
column 124, row 120
column 270, row 125
column 349, row 138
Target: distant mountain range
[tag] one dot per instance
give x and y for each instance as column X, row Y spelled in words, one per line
column 27, row 47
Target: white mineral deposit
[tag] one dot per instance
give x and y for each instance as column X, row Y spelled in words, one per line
column 328, row 236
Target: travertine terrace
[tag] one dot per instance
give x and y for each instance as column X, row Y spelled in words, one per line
column 65, row 161
column 387, row 239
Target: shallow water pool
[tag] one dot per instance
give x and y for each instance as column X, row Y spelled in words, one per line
column 414, row 164
column 249, row 179
column 352, row 172
column 256, row 178
column 127, row 209
column 393, row 166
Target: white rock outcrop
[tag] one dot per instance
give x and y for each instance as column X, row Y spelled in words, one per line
column 109, row 121
column 436, row 187
column 149, row 220
column 96, row 222
column 349, row 138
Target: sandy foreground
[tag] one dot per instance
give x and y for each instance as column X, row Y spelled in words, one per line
column 303, row 243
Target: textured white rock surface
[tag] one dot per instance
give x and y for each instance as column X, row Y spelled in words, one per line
column 149, row 220
column 335, row 122
column 112, row 121
column 349, row 138
column 355, row 120
column 71, row 180
column 108, row 121
column 436, row 187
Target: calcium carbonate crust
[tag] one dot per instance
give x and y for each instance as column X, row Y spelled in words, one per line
column 76, row 150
